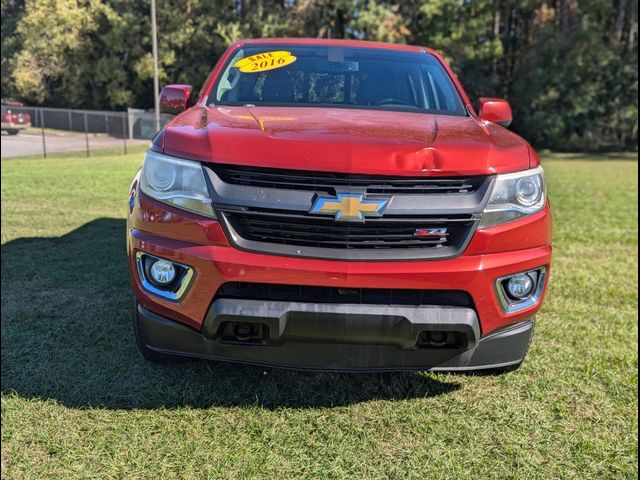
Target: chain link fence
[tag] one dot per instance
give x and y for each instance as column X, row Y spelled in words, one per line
column 63, row 129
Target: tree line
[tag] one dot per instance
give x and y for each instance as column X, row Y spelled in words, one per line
column 569, row 67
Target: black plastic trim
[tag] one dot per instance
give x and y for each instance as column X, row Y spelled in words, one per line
column 404, row 204
column 270, row 292
column 330, row 182
column 502, row 349
column 396, row 254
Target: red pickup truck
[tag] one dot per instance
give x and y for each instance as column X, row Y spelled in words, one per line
column 337, row 205
column 13, row 122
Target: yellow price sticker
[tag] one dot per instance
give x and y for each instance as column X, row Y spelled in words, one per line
column 262, row 62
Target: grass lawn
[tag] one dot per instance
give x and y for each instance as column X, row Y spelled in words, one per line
column 78, row 401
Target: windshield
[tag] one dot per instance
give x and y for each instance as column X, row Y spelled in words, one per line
column 328, row 76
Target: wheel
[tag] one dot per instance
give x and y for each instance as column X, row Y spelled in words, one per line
column 12, row 131
column 147, row 353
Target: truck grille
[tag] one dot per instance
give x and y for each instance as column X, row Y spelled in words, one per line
column 328, row 182
column 294, row 228
column 267, row 210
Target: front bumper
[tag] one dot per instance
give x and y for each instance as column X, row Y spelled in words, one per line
column 329, row 339
column 185, row 327
column 15, row 126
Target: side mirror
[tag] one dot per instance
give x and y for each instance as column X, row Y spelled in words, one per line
column 496, row 110
column 175, row 98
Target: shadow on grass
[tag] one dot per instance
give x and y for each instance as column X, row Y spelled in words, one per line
column 67, row 336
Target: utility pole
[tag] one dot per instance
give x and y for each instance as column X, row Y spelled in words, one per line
column 156, row 83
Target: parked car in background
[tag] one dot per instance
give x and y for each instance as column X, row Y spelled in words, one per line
column 337, row 205
column 13, row 122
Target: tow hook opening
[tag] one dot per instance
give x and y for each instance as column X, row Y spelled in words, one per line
column 243, row 332
column 439, row 339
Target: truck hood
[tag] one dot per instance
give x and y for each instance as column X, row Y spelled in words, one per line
column 345, row 140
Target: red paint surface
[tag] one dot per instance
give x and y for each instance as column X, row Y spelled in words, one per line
column 349, row 141
column 345, row 140
column 174, row 98
column 496, row 110
column 201, row 244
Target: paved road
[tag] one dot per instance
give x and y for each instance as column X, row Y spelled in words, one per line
column 29, row 142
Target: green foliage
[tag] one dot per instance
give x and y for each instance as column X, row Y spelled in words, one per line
column 569, row 67
column 49, row 60
column 580, row 92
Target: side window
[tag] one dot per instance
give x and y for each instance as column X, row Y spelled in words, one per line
column 445, row 104
column 229, row 80
column 440, row 92
column 433, row 102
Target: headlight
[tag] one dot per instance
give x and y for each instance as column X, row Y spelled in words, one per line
column 515, row 195
column 177, row 182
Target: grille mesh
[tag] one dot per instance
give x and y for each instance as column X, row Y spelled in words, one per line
column 328, row 182
column 293, row 228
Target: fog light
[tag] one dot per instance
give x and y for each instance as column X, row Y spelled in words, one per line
column 162, row 272
column 521, row 286
column 521, row 290
column 163, row 278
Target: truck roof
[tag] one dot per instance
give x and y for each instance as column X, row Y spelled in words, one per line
column 334, row 42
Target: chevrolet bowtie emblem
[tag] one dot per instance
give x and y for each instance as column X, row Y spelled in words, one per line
column 350, row 207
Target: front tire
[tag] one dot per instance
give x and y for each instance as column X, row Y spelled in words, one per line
column 149, row 354
column 13, row 131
